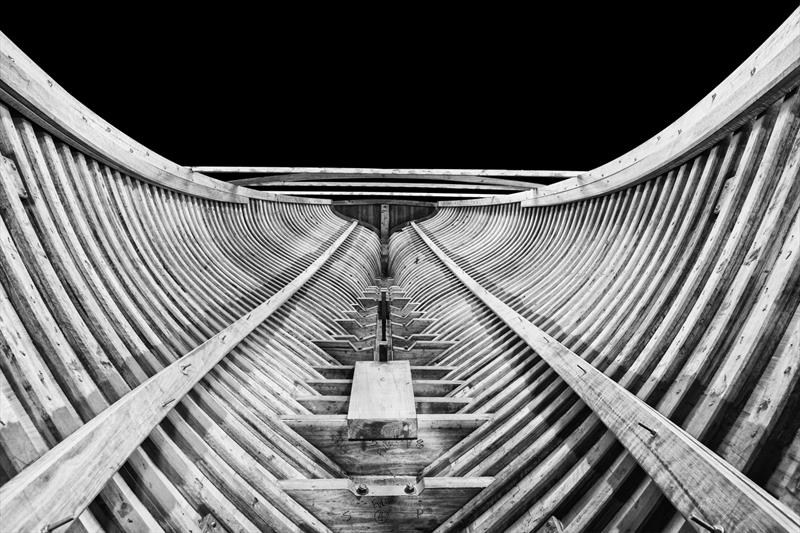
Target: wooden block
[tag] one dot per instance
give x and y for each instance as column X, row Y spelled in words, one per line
column 421, row 353
column 354, row 327
column 399, row 303
column 331, row 387
column 434, row 387
column 382, row 402
column 405, row 318
column 344, row 351
column 386, row 506
column 553, row 525
column 414, row 326
column 411, row 340
column 368, row 303
column 435, row 435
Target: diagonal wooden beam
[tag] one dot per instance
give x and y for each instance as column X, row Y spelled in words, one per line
column 63, row 481
column 703, row 487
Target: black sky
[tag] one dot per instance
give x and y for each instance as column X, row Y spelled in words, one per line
column 566, row 88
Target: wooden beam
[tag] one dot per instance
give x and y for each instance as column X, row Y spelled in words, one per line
column 338, row 405
column 703, row 487
column 384, row 504
column 417, row 372
column 435, row 435
column 387, row 202
column 455, row 172
column 442, row 178
column 422, row 387
column 381, row 194
column 63, row 481
column 386, row 184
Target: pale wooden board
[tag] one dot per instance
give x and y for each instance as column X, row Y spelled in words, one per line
column 382, row 402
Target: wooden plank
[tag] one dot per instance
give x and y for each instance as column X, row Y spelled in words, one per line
column 439, row 178
column 332, row 405
column 699, row 483
column 406, row 203
column 422, row 387
column 380, row 194
column 417, row 372
column 435, row 435
column 66, row 479
column 396, row 504
column 251, row 182
column 456, row 172
column 382, row 402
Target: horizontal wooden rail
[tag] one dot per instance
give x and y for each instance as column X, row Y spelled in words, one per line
column 392, row 171
column 708, row 491
column 386, row 194
column 62, row 482
column 256, row 181
column 385, row 184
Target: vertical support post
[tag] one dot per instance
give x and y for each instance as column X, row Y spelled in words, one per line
column 385, row 239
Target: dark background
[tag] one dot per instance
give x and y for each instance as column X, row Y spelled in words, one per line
column 564, row 88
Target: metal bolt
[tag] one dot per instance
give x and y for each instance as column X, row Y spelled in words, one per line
column 362, row 490
column 410, row 489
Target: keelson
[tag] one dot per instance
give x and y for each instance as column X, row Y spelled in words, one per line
column 616, row 351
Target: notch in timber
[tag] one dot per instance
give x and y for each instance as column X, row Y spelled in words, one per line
column 382, row 402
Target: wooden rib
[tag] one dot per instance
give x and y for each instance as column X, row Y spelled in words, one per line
column 696, row 481
column 32, row 499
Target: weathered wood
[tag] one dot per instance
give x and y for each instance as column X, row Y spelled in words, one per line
column 299, row 194
column 389, row 171
column 332, row 405
column 381, row 402
column 331, row 184
column 422, row 387
column 63, row 481
column 417, row 372
column 695, row 480
column 436, row 433
column 389, row 504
